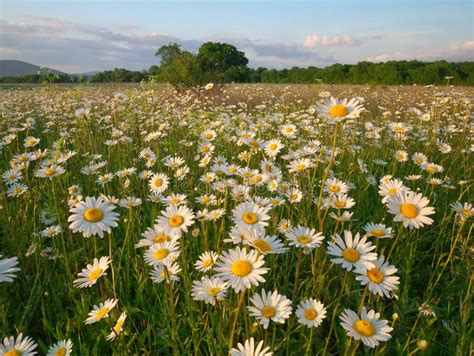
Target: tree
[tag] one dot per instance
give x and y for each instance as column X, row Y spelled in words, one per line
column 220, row 62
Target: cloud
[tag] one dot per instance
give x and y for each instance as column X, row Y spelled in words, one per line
column 458, row 51
column 79, row 47
column 313, row 41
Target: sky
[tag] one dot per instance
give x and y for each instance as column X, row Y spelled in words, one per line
column 81, row 36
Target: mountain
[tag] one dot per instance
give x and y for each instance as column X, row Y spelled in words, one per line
column 14, row 68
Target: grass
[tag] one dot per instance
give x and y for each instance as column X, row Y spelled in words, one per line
column 433, row 262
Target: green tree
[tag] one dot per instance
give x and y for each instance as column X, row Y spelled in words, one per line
column 221, row 62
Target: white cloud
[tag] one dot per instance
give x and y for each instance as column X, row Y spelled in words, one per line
column 458, row 51
column 313, row 41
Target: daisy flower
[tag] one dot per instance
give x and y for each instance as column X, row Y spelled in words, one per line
column 273, row 147
column 241, row 269
column 162, row 254
column 93, row 216
column 166, row 273
column 337, row 110
column 367, row 327
column 12, row 176
column 270, row 306
column 23, row 346
column 249, row 349
column 90, row 275
column 379, row 278
column 209, row 290
column 117, row 329
column 206, row 261
column 208, row 135
column 335, row 186
column 311, row 313
column 419, row 158
column 339, row 201
column 49, row 172
column 158, row 183
column 266, row 244
column 8, row 267
column 352, row 252
column 155, row 235
column 251, row 216
column 16, row 189
column 390, row 188
column 464, row 211
column 176, row 219
column 61, row 348
column 411, row 209
column 431, row 167
column 301, row 236
column 300, row 165
column 378, row 230
column 101, row 311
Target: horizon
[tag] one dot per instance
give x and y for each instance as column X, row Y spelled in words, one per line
column 79, row 37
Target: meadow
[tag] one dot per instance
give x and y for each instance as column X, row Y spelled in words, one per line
column 242, row 219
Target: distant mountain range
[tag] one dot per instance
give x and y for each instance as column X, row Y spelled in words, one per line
column 15, row 68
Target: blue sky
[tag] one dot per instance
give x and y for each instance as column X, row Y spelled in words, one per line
column 78, row 36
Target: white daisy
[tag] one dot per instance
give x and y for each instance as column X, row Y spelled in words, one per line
column 93, row 216
column 304, row 237
column 411, row 209
column 352, row 252
column 23, row 346
column 8, row 267
column 270, row 306
column 241, row 269
column 101, row 311
column 311, row 312
column 117, row 329
column 162, row 254
column 378, row 230
column 379, row 278
column 367, row 327
column 91, row 274
column 176, row 219
column 249, row 349
column 209, row 290
column 61, row 348
column 251, row 216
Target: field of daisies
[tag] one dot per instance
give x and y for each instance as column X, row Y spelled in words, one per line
column 239, row 219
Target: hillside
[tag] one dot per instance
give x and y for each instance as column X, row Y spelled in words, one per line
column 15, row 68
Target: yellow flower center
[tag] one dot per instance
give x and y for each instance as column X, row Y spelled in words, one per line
column 408, row 210
column 95, row 274
column 161, row 253
column 268, row 311
column 93, row 215
column 340, row 203
column 254, row 144
column 23, row 159
column 101, row 313
column 176, row 221
column 241, row 268
column 60, row 352
column 419, row 160
column 431, row 169
column 273, row 146
column 49, row 172
column 159, row 239
column 377, row 232
column 213, row 291
column 351, row 254
column 392, row 191
column 466, row 212
column 310, row 314
column 256, row 180
column 208, row 136
column 262, row 245
column 303, row 239
column 12, row 352
column 119, row 325
column 375, row 275
column 158, row 182
column 300, row 167
column 250, row 218
column 364, row 328
column 334, row 188
column 207, row 263
column 338, row 111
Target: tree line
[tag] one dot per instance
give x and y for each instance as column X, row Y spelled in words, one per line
column 223, row 63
